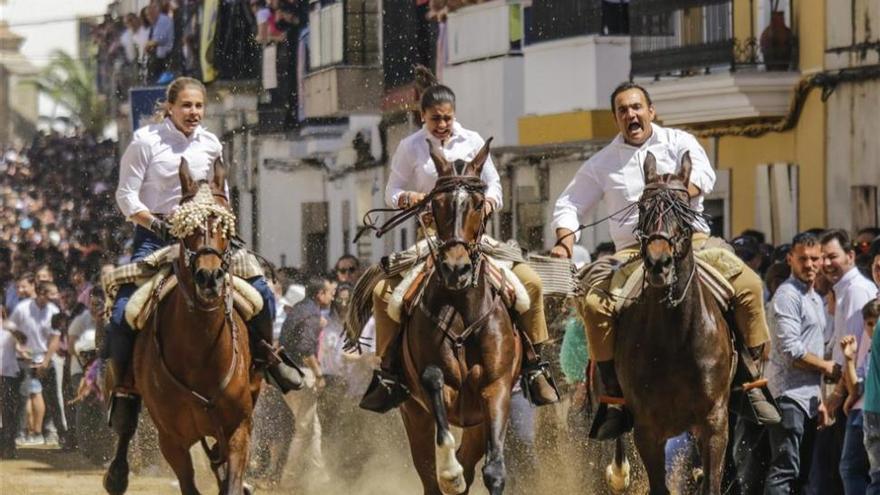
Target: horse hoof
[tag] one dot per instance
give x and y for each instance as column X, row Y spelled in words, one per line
column 248, row 489
column 697, row 474
column 116, row 479
column 618, row 476
column 452, row 481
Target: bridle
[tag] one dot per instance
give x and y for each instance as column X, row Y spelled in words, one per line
column 659, row 208
column 191, row 257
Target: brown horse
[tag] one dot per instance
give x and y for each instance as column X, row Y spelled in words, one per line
column 192, row 364
column 463, row 374
column 673, row 352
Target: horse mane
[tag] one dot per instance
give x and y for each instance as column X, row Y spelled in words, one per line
column 664, row 204
column 194, row 214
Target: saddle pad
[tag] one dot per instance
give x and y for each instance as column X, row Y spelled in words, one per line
column 556, row 274
column 409, row 291
column 146, row 298
column 627, row 288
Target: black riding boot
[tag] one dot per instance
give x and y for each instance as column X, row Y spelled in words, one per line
column 537, row 382
column 277, row 367
column 386, row 391
column 616, row 419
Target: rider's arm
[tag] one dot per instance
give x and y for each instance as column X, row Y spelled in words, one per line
column 702, row 179
column 582, row 194
column 494, row 192
column 402, row 164
column 132, row 169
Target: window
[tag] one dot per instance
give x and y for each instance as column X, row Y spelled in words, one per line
column 326, row 32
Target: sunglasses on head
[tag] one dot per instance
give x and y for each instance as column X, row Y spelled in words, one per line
column 346, row 269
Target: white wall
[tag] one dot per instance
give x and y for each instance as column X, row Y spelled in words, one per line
column 479, row 31
column 489, row 97
column 574, row 73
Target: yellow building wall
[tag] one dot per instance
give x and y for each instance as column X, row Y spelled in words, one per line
column 566, row 127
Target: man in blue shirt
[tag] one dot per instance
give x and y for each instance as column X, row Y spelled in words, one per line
column 160, row 43
column 796, row 365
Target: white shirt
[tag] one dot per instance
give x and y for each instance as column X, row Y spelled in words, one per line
column 8, row 358
column 851, row 294
column 616, row 175
column 140, row 38
column 413, row 170
column 148, row 171
column 80, row 325
column 36, row 324
column 128, row 45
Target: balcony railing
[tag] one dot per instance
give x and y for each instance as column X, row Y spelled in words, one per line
column 688, row 37
column 548, row 20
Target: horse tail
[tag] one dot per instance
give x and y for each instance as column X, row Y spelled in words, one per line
column 360, row 308
column 450, row 473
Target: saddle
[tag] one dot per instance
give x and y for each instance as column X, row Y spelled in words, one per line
column 409, row 293
column 146, row 298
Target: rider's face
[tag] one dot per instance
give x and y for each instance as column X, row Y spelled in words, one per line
column 633, row 116
column 187, row 111
column 439, row 119
column 805, row 262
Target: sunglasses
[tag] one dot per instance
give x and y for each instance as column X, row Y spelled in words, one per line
column 862, row 247
column 348, row 269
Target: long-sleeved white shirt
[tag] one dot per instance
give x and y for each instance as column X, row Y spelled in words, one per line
column 851, row 293
column 148, row 171
column 616, row 175
column 413, row 170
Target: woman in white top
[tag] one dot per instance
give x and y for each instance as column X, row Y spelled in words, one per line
column 413, row 175
column 149, row 190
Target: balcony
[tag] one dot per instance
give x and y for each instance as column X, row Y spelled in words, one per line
column 344, row 73
column 706, row 61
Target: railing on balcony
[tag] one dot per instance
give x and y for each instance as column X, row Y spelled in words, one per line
column 688, row 37
column 408, row 38
column 547, row 20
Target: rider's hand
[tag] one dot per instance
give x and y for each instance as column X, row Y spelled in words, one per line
column 560, row 251
column 409, row 198
column 161, row 228
column 488, row 207
column 320, row 383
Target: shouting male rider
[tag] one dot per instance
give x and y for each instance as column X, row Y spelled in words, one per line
column 615, row 174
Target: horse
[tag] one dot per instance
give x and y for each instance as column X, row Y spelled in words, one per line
column 192, row 363
column 673, row 353
column 464, row 374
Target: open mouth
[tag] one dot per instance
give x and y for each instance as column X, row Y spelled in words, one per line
column 634, row 127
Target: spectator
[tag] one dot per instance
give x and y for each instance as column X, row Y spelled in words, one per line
column 10, row 398
column 796, row 366
column 161, row 42
column 871, row 405
column 749, row 250
column 347, row 269
column 300, row 335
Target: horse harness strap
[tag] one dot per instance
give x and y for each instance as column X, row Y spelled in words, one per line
column 207, row 403
column 444, row 321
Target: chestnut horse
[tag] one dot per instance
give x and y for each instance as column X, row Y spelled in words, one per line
column 192, row 364
column 462, row 374
column 673, row 352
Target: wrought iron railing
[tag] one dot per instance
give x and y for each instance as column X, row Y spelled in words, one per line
column 687, row 37
column 547, row 20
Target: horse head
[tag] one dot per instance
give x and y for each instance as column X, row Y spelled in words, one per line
column 666, row 221
column 204, row 224
column 457, row 207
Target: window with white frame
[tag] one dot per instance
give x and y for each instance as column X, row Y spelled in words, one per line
column 326, row 32
column 776, row 201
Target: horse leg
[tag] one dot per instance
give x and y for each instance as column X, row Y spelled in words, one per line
column 617, row 474
column 239, row 446
column 472, row 449
column 496, row 399
column 651, row 449
column 123, row 420
column 180, row 461
column 450, row 474
column 419, row 425
column 712, row 440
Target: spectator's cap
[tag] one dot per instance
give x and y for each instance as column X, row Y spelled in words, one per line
column 746, row 247
column 580, row 256
column 295, row 293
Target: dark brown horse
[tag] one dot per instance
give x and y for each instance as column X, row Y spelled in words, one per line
column 192, row 364
column 673, row 351
column 463, row 374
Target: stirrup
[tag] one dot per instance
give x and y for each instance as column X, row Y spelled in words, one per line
column 530, row 374
column 384, row 393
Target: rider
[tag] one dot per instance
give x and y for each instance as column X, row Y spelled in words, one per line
column 413, row 175
column 615, row 174
column 149, row 190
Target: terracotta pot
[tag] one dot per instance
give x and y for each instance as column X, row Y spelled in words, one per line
column 777, row 43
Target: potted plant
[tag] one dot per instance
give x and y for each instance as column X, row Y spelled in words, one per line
column 777, row 41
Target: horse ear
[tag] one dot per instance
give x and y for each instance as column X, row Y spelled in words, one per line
column 219, row 179
column 650, row 167
column 187, row 184
column 443, row 167
column 475, row 167
column 684, row 173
